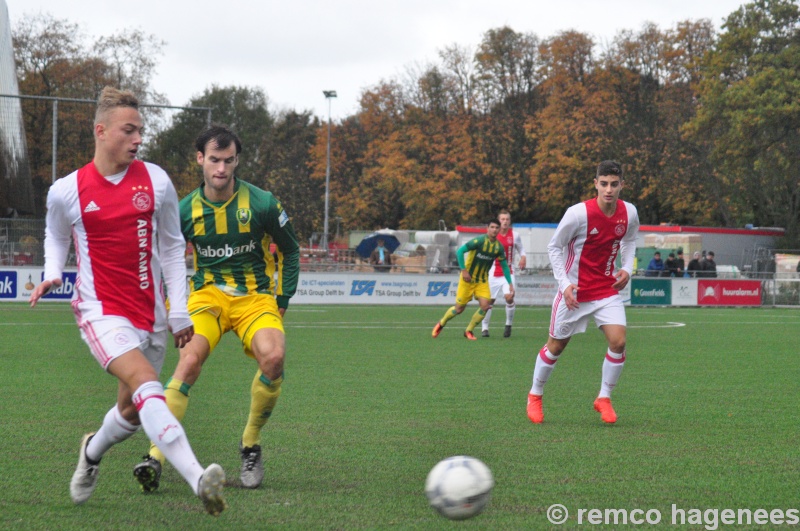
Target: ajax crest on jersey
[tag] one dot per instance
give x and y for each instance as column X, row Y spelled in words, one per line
column 459, row 487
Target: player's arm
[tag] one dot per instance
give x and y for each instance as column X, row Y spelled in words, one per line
column 627, row 249
column 567, row 228
column 288, row 265
column 523, row 257
column 171, row 249
column 460, row 256
column 58, row 229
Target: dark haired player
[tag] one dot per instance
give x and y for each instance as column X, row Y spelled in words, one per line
column 231, row 225
column 475, row 258
column 582, row 252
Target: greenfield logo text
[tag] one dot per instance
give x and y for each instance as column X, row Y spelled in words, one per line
column 649, row 292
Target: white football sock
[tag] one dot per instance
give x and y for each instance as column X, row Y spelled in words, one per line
column 510, row 309
column 545, row 363
column 485, row 322
column 115, row 429
column 612, row 369
column 166, row 432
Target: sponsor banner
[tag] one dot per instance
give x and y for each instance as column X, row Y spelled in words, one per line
column 535, row 290
column 8, row 285
column 715, row 292
column 651, row 291
column 17, row 284
column 684, row 292
column 373, row 288
column 366, row 288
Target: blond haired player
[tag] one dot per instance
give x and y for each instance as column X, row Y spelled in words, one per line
column 123, row 216
column 231, row 225
column 582, row 252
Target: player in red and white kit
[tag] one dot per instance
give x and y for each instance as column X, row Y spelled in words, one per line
column 122, row 215
column 582, row 254
column 498, row 285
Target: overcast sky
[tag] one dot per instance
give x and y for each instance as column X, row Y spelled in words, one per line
column 295, row 49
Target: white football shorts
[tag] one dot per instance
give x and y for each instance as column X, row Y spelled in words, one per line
column 109, row 337
column 498, row 287
column 565, row 323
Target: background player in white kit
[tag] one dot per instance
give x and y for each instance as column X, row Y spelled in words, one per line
column 123, row 216
column 582, row 253
column 498, row 285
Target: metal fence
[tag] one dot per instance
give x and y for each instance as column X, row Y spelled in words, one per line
column 21, row 242
column 59, row 138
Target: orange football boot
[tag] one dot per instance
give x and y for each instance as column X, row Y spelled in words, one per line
column 603, row 406
column 535, row 412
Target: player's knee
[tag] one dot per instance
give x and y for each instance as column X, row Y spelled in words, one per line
column 617, row 345
column 268, row 352
column 271, row 363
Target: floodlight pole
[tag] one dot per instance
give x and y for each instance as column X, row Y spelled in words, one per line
column 328, row 95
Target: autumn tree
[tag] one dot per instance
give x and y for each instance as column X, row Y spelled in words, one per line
column 574, row 129
column 54, row 58
column 509, row 76
column 244, row 109
column 287, row 170
column 749, row 119
column 653, row 72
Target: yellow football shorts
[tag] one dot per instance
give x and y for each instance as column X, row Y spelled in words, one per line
column 468, row 290
column 214, row 313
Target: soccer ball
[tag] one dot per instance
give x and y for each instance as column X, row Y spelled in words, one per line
column 459, row 487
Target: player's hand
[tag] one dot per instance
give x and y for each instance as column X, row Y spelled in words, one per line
column 282, row 311
column 466, row 276
column 43, row 289
column 182, row 337
column 622, row 279
column 511, row 292
column 570, row 297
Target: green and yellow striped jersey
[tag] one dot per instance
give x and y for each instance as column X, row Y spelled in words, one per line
column 232, row 242
column 478, row 255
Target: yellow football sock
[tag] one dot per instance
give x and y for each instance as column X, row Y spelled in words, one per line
column 263, row 397
column 449, row 314
column 177, row 395
column 477, row 318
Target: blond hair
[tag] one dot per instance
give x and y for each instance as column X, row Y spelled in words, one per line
column 112, row 98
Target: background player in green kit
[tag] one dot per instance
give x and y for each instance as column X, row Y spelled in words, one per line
column 475, row 258
column 231, row 225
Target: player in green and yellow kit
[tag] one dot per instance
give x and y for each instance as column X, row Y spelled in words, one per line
column 231, row 225
column 475, row 258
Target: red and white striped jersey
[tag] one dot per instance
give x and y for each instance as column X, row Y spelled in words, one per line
column 586, row 243
column 510, row 241
column 127, row 234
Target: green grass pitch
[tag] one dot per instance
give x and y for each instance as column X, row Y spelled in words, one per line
column 707, row 410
